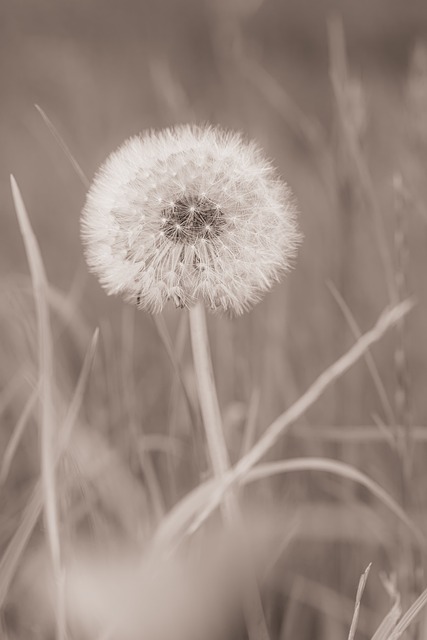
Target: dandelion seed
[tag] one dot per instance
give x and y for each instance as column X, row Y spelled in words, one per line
column 196, row 203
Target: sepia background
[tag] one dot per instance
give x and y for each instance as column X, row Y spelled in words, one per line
column 336, row 94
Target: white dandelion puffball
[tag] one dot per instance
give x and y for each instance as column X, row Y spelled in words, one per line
column 186, row 214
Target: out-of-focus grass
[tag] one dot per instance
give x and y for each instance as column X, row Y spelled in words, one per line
column 354, row 151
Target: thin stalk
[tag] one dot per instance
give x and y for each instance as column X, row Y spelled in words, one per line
column 252, row 605
column 47, row 413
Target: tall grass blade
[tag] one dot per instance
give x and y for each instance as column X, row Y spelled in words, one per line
column 46, row 374
column 54, row 131
column 360, row 590
column 187, row 516
column 32, row 511
column 16, row 436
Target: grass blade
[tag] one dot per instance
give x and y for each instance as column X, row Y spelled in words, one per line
column 16, row 436
column 409, row 616
column 59, row 139
column 369, row 359
column 46, row 374
column 276, row 430
column 180, row 518
column 360, row 590
column 32, row 511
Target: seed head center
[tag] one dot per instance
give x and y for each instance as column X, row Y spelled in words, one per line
column 192, row 218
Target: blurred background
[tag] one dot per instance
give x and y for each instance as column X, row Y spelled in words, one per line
column 336, row 93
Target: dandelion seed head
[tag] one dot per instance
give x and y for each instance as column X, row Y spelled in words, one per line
column 186, row 214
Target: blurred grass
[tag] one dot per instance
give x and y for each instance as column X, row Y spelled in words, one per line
column 103, row 71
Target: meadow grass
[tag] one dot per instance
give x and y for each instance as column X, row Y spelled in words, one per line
column 109, row 521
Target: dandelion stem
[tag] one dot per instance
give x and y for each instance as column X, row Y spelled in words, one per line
column 207, row 391
column 252, row 605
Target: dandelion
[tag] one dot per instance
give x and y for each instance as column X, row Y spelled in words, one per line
column 198, row 216
column 189, row 214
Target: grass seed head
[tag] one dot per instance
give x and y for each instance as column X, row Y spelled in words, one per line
column 189, row 213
